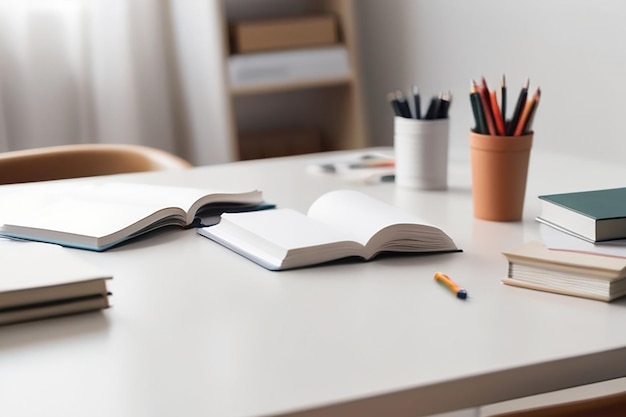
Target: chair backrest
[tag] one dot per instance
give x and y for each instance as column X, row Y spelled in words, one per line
column 613, row 405
column 83, row 160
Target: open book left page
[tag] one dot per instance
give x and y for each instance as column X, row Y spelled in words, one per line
column 97, row 215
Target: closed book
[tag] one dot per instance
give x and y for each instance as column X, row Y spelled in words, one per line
column 599, row 277
column 54, row 309
column 339, row 224
column 596, row 215
column 41, row 280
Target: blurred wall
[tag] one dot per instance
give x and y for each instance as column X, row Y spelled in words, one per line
column 575, row 50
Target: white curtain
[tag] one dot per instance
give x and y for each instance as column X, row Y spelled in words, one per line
column 115, row 71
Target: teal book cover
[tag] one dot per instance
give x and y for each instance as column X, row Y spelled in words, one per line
column 597, row 204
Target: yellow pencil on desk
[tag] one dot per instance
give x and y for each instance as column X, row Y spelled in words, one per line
column 451, row 285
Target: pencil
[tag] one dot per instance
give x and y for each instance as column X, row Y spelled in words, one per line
column 503, row 99
column 490, row 111
column 477, row 107
column 391, row 97
column 529, row 123
column 484, row 99
column 432, row 108
column 519, row 107
column 444, row 105
column 497, row 117
column 437, row 108
column 416, row 102
column 404, row 105
column 529, row 109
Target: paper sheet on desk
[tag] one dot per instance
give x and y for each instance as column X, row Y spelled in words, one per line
column 360, row 167
column 557, row 240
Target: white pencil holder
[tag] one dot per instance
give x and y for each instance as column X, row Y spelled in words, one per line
column 421, row 152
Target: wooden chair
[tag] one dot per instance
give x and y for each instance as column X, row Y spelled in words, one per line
column 612, row 405
column 83, row 160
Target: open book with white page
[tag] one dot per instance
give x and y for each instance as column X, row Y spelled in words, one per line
column 339, row 224
column 99, row 215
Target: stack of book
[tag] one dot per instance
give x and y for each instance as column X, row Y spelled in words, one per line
column 583, row 252
column 41, row 280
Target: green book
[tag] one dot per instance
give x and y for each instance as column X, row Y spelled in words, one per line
column 595, row 216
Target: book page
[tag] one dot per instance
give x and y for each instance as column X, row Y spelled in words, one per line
column 285, row 228
column 281, row 238
column 90, row 209
column 360, row 215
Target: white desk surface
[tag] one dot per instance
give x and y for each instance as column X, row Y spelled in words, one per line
column 198, row 330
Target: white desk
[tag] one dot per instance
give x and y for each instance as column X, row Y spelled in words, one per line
column 198, row 330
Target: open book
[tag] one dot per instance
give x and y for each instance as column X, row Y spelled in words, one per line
column 97, row 216
column 339, row 224
column 40, row 281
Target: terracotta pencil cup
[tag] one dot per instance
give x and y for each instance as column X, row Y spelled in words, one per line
column 499, row 172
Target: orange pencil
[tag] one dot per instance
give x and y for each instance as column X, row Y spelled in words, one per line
column 523, row 122
column 497, row 116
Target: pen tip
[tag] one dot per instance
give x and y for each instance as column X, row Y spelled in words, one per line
column 462, row 294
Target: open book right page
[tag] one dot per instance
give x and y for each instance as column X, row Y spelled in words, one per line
column 377, row 225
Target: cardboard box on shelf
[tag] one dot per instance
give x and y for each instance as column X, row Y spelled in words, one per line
column 283, row 33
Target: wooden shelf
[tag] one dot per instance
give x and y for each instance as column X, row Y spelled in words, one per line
column 300, row 85
column 331, row 106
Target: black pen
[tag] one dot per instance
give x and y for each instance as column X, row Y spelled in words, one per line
column 432, row 108
column 391, row 97
column 404, row 105
column 416, row 102
column 444, row 105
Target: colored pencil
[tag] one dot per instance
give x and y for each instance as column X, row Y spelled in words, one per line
column 497, row 117
column 484, row 99
column 477, row 107
column 503, row 99
column 529, row 109
column 519, row 108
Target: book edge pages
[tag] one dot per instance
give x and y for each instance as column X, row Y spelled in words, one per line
column 68, row 307
column 56, row 292
column 537, row 287
column 536, row 253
